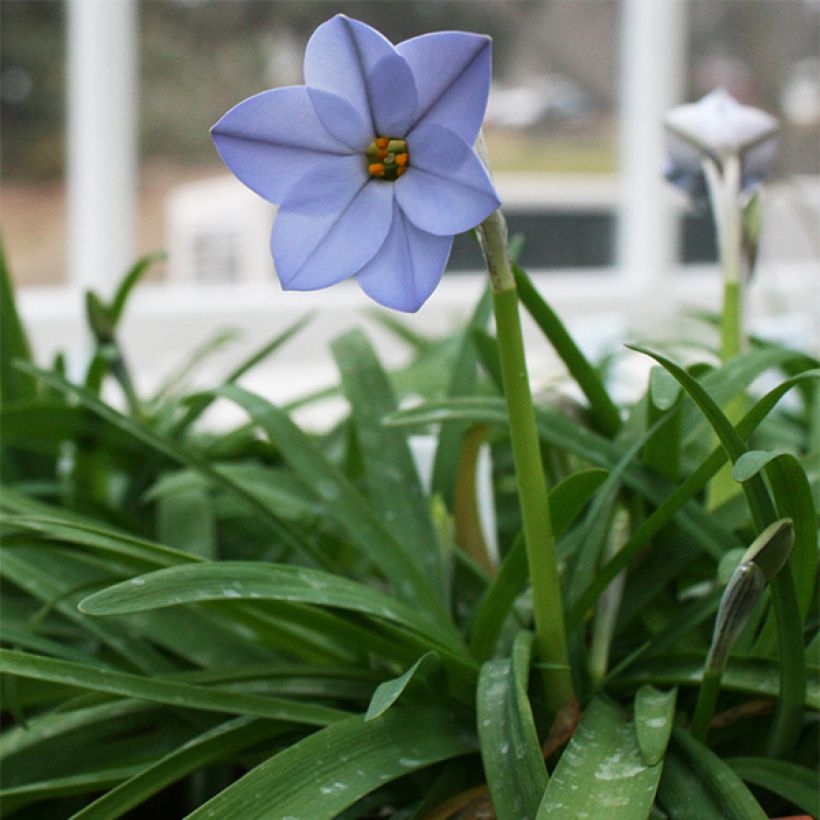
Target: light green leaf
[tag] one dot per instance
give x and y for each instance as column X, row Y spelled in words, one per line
column 424, row 672
column 513, row 761
column 654, row 718
column 601, row 774
column 250, row 580
column 389, row 470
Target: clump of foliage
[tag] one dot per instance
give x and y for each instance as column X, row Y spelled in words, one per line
column 271, row 622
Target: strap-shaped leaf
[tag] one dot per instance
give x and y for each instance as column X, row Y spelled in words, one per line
column 697, row 784
column 797, row 784
column 251, row 580
column 329, row 771
column 513, row 761
column 181, row 695
column 215, row 744
column 390, row 472
column 605, row 414
column 344, row 503
column 792, row 662
column 654, row 719
column 602, row 774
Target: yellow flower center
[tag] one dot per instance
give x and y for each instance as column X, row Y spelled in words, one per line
column 387, row 158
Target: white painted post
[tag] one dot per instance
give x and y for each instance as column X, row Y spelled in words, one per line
column 102, row 140
column 652, row 74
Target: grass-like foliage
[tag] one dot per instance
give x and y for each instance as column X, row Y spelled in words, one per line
column 275, row 623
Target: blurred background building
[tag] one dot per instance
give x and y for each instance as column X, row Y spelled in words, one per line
column 573, row 131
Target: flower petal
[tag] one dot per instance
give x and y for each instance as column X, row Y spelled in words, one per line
column 341, row 120
column 330, row 225
column 393, row 96
column 272, row 138
column 446, row 189
column 339, row 56
column 452, row 72
column 407, row 268
column 719, row 125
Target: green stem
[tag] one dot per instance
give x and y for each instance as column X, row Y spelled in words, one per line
column 550, row 635
column 705, row 707
column 731, row 321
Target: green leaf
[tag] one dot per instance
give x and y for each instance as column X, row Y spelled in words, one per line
column 185, row 521
column 329, row 771
column 794, row 499
column 424, row 672
column 462, row 382
column 663, row 449
column 181, row 454
column 566, row 500
column 130, row 281
column 248, row 580
column 200, row 403
column 343, row 503
column 752, row 676
column 697, row 784
column 390, row 472
column 216, row 744
column 58, row 583
column 15, row 797
column 560, row 431
column 601, row 774
column 788, row 719
column 513, row 761
column 99, row 539
column 794, row 783
column 654, row 718
column 181, row 695
column 751, row 463
column 597, row 526
column 605, row 415
column 14, row 385
column 43, row 728
column 672, row 505
column 758, row 498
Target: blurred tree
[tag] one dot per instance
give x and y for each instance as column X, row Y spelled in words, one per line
column 32, row 88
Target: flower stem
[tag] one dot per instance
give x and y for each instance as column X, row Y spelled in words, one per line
column 724, row 194
column 550, row 636
column 705, row 706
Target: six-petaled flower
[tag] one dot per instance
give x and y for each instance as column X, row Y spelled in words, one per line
column 371, row 161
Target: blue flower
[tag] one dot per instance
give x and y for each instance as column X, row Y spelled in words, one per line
column 371, row 161
column 714, row 129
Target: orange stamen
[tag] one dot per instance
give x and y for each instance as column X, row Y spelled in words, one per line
column 401, row 160
column 381, row 142
column 401, row 169
column 376, row 169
